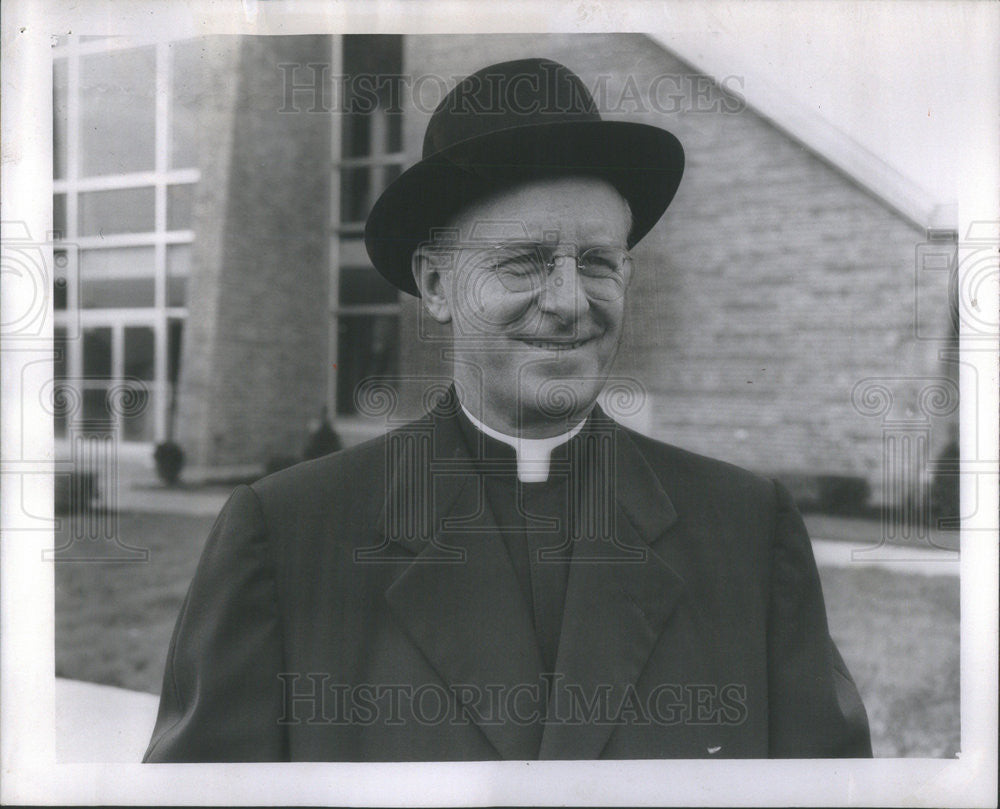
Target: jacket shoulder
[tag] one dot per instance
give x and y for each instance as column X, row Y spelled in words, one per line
column 323, row 472
column 348, row 478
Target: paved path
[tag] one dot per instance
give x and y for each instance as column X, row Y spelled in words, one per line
column 163, row 500
column 921, row 561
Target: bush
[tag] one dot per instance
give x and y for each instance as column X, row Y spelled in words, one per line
column 169, row 458
column 842, row 494
column 803, row 488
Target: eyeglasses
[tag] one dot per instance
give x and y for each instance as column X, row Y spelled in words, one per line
column 525, row 267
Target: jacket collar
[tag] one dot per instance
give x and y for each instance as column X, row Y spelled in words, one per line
column 460, row 602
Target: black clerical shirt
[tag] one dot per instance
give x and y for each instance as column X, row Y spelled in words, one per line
column 535, row 521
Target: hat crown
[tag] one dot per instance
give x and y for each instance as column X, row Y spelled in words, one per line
column 508, row 95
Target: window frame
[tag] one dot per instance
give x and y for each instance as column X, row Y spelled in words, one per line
column 346, row 242
column 162, row 177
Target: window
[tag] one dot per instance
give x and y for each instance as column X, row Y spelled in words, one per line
column 117, row 109
column 368, row 156
column 125, row 149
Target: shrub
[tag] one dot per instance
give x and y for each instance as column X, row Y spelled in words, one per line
column 169, row 458
column 843, row 494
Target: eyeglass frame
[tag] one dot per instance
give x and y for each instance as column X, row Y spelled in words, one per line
column 549, row 264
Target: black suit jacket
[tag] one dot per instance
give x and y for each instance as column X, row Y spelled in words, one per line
column 362, row 607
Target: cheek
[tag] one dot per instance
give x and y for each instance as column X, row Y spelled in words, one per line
column 611, row 316
column 483, row 308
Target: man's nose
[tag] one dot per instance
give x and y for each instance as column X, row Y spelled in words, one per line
column 563, row 294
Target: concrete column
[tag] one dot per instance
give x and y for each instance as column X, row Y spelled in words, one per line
column 255, row 344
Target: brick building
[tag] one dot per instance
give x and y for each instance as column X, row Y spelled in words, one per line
column 785, row 316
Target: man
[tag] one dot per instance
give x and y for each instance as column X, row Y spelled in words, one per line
column 514, row 575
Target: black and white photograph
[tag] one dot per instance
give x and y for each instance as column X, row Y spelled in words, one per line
column 424, row 403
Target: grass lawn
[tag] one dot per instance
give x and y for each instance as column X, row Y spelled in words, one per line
column 898, row 633
column 114, row 619
column 899, row 636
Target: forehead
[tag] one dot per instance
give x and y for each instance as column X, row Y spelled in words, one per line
column 572, row 208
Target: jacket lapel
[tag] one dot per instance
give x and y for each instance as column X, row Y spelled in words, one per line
column 619, row 598
column 459, row 601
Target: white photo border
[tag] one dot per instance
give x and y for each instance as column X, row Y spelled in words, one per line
column 30, row 773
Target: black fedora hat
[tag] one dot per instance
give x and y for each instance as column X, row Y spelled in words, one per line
column 507, row 123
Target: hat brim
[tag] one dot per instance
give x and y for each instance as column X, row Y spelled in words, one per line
column 643, row 162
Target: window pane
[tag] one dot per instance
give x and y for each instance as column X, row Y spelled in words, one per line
column 128, row 210
column 179, row 259
column 186, row 87
column 139, row 425
column 380, row 54
column 177, row 291
column 374, row 64
column 60, row 117
column 117, row 111
column 59, row 215
column 175, row 332
column 117, row 262
column 95, row 404
column 60, row 368
column 357, row 135
column 365, row 285
column 120, row 293
column 367, row 345
column 60, row 362
column 59, row 371
column 98, row 407
column 178, row 270
column 180, row 201
column 139, row 348
column 394, row 137
column 97, row 352
column 354, row 187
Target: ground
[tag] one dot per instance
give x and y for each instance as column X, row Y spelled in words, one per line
column 898, row 633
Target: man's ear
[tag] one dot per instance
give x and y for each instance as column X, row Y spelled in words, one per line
column 431, row 271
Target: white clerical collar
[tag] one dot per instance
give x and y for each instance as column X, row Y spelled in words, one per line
column 533, row 454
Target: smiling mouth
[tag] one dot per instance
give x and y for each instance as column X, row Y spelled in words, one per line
column 556, row 345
